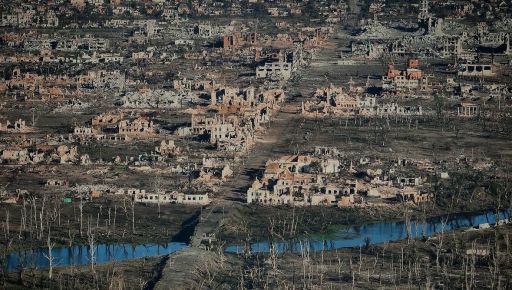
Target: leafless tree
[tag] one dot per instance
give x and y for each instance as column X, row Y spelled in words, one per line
column 7, row 225
column 439, row 245
column 49, row 257
column 41, row 215
column 115, row 216
column 133, row 215
column 92, row 247
column 81, row 207
column 157, row 187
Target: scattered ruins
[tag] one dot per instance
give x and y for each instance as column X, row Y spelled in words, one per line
column 302, row 180
column 205, row 111
column 335, row 102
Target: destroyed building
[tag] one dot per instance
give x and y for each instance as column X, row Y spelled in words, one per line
column 138, row 127
column 333, row 100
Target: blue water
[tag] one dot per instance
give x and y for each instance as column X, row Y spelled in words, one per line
column 346, row 237
column 79, row 255
column 378, row 233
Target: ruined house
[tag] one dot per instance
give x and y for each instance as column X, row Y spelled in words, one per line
column 411, row 78
column 468, row 109
column 107, row 119
column 276, row 70
column 288, row 180
column 172, row 198
column 167, row 148
column 67, row 154
column 56, row 182
column 393, row 109
column 102, row 79
column 83, row 131
column 476, row 70
column 228, row 133
column 333, row 100
column 408, row 181
column 326, row 151
column 18, row 126
column 409, row 194
column 138, row 127
column 234, row 100
column 22, row 156
column 288, row 62
column 238, row 39
column 147, row 98
column 209, row 173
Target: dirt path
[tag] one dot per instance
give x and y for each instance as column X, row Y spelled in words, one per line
column 269, row 144
column 184, row 267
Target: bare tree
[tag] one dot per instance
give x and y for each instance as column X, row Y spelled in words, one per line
column 157, row 186
column 133, row 215
column 92, row 247
column 7, row 233
column 50, row 257
column 115, row 216
column 439, row 245
column 81, row 207
column 41, row 215
column 33, row 216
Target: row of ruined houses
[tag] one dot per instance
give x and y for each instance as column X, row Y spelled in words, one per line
column 137, row 195
column 299, row 180
column 29, row 18
column 307, row 36
column 240, row 113
column 56, row 87
column 158, row 98
column 117, row 127
column 334, row 101
column 62, row 154
column 47, row 56
column 163, row 197
column 16, row 126
column 87, row 43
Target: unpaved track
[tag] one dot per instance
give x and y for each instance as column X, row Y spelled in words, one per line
column 183, row 269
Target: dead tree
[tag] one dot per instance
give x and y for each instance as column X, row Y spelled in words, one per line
column 133, row 215
column 41, row 215
column 7, row 233
column 50, row 257
column 71, row 235
column 439, row 245
column 81, row 207
column 157, row 186
column 92, row 249
column 115, row 216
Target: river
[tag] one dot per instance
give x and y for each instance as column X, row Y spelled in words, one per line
column 79, row 255
column 375, row 233
column 340, row 237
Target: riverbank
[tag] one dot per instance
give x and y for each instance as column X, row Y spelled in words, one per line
column 470, row 259
column 134, row 274
column 247, row 223
column 111, row 222
column 389, row 264
column 375, row 233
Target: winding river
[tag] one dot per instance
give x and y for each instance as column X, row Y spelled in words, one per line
column 376, row 233
column 341, row 237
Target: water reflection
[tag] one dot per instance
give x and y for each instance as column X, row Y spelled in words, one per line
column 344, row 237
column 377, row 233
column 79, row 255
